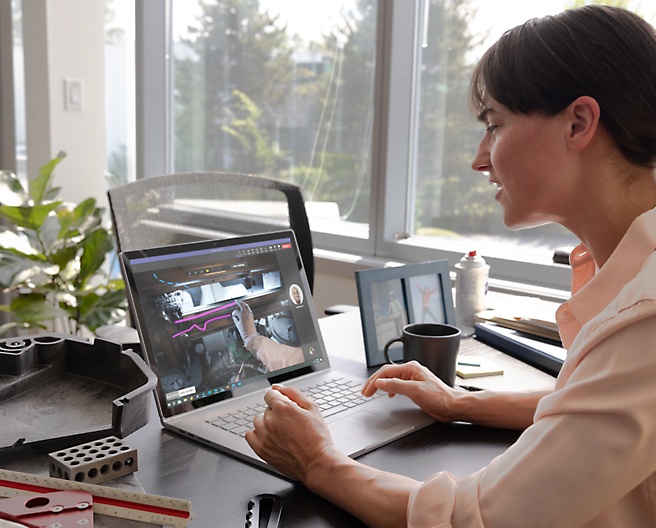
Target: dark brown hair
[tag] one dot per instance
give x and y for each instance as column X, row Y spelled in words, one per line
column 604, row 52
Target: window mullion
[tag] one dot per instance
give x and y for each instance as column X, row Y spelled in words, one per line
column 152, row 87
column 396, row 195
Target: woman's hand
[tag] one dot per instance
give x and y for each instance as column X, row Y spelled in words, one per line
column 419, row 384
column 291, row 435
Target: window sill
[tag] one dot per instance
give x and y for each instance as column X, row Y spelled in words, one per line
column 332, row 266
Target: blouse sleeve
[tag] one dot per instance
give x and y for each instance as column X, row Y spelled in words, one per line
column 590, row 446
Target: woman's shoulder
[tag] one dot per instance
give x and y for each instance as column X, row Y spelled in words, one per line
column 627, row 311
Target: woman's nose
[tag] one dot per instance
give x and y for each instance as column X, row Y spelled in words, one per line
column 481, row 161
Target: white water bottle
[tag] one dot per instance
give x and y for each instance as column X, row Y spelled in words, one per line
column 472, row 275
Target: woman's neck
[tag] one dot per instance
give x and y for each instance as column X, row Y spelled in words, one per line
column 608, row 214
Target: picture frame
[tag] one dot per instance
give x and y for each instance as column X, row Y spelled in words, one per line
column 392, row 297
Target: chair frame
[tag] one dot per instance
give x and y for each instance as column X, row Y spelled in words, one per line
column 298, row 219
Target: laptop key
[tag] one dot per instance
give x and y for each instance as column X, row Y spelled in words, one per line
column 332, row 397
column 333, row 410
column 241, row 430
column 230, row 426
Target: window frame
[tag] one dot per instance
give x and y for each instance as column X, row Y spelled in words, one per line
column 391, row 218
column 7, row 100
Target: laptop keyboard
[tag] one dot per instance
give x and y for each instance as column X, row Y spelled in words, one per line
column 337, row 395
column 332, row 396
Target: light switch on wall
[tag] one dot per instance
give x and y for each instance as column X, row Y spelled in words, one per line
column 73, row 95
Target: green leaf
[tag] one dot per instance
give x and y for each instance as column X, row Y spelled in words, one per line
column 13, row 252
column 84, row 217
column 98, row 310
column 34, row 308
column 95, row 247
column 28, row 217
column 51, row 194
column 39, row 185
column 49, row 232
column 116, row 284
column 17, row 243
column 63, row 256
column 11, row 189
column 17, row 269
column 51, row 253
column 86, row 208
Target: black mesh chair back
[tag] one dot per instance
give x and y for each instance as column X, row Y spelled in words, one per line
column 186, row 207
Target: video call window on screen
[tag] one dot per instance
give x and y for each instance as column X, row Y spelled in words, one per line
column 189, row 312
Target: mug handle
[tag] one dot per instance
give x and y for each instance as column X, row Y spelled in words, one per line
column 389, row 344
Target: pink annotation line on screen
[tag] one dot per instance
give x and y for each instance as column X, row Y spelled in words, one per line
column 198, row 316
column 201, row 328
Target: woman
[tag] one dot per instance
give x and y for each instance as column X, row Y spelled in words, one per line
column 569, row 105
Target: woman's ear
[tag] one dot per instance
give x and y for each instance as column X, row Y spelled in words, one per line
column 583, row 118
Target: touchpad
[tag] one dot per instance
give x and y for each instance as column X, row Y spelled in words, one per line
column 364, row 429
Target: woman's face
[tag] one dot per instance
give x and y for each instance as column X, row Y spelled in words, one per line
column 523, row 155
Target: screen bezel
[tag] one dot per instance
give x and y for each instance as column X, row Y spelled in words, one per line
column 130, row 257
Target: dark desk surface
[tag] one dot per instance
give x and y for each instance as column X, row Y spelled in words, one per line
column 219, row 486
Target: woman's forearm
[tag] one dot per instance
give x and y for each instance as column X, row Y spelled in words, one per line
column 377, row 498
column 380, row 499
column 508, row 410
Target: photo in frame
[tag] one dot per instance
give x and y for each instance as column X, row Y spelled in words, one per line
column 392, row 297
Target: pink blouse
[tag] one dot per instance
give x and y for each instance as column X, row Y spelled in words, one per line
column 589, row 459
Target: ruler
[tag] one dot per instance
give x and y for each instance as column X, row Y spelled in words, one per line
column 115, row 502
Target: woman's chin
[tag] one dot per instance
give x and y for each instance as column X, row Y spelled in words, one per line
column 517, row 223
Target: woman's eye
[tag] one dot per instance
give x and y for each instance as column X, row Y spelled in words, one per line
column 491, row 128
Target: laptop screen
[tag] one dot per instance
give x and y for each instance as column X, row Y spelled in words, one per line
column 222, row 318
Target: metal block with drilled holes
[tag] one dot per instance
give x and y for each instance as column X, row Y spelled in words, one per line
column 94, row 462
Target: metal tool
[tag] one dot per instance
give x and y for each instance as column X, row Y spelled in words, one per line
column 63, row 509
column 116, row 502
column 264, row 511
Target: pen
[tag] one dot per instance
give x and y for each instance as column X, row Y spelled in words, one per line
column 468, row 364
column 470, row 388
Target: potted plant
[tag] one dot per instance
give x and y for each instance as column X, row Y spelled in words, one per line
column 51, row 258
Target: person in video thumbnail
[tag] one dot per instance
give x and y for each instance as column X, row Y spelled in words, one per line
column 297, row 294
column 274, row 355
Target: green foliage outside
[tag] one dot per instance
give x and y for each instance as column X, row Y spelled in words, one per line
column 250, row 98
column 51, row 258
column 249, row 140
column 248, row 106
column 244, row 102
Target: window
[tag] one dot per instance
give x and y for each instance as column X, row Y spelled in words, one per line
column 279, row 88
column 451, row 201
column 449, row 208
column 119, row 90
column 13, row 152
column 361, row 102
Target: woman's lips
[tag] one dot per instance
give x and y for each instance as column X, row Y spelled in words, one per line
column 499, row 188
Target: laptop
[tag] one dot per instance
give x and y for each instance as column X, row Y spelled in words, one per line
column 222, row 320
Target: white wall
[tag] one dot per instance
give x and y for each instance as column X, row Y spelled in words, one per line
column 334, row 277
column 65, row 39
column 330, row 289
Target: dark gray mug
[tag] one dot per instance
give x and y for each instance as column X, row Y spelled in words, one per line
column 434, row 345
